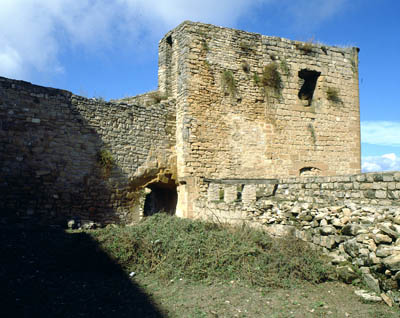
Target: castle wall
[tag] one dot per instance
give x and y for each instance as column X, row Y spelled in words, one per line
column 231, row 124
column 54, row 148
column 230, row 104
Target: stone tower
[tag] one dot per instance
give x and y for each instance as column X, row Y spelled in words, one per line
column 250, row 106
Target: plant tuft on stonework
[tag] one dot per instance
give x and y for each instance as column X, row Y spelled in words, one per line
column 228, row 82
column 306, row 47
column 285, row 67
column 256, row 79
column 221, row 194
column 105, row 160
column 271, row 77
column 245, row 46
column 204, row 45
column 332, row 94
column 312, row 131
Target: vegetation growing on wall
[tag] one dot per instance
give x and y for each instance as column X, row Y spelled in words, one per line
column 312, row 132
column 271, row 77
column 204, row 41
column 332, row 94
column 228, row 82
column 246, row 46
column 256, row 79
column 306, row 47
column 204, row 45
column 284, row 67
column 106, row 161
column 221, row 194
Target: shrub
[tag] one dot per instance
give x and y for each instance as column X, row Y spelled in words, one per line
column 271, row 77
column 285, row 67
column 174, row 248
column 306, row 47
column 105, row 160
column 245, row 46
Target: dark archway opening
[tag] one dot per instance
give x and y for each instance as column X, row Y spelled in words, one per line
column 309, row 171
column 309, row 79
column 162, row 198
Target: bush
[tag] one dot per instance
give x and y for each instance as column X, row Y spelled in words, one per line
column 105, row 159
column 174, row 248
column 271, row 77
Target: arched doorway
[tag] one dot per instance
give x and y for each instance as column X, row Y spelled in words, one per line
column 162, row 198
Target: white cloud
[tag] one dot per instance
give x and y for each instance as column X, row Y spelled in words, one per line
column 386, row 162
column 10, row 61
column 171, row 13
column 308, row 13
column 33, row 33
column 384, row 133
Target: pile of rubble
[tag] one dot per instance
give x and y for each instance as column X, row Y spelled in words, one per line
column 363, row 241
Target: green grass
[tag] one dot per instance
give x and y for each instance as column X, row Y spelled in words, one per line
column 174, row 248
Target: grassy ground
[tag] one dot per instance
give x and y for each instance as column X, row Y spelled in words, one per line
column 182, row 269
column 331, row 299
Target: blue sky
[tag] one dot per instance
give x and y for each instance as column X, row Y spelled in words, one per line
column 104, row 48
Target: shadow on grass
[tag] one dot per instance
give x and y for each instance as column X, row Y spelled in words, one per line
column 50, row 273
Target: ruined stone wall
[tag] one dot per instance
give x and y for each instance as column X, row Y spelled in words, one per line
column 367, row 189
column 233, row 122
column 354, row 219
column 54, row 148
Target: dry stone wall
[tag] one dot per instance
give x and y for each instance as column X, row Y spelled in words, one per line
column 63, row 155
column 354, row 219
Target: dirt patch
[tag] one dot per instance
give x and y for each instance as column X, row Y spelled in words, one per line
column 185, row 299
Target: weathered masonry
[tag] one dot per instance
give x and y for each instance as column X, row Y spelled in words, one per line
column 230, row 105
column 253, row 106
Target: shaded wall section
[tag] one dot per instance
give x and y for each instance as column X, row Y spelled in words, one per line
column 65, row 156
